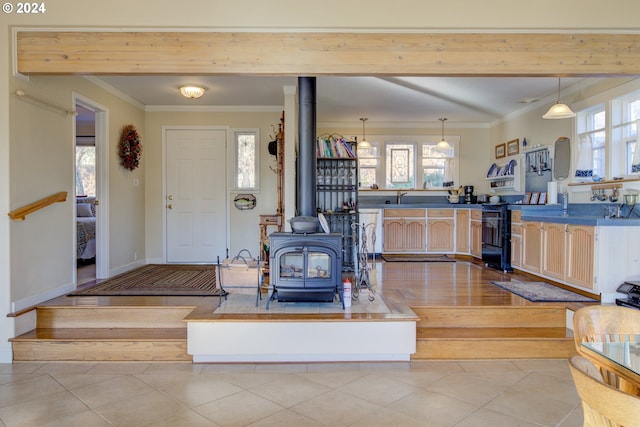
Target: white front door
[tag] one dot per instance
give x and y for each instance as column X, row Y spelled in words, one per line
column 195, row 195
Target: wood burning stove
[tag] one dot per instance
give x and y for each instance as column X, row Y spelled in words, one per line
column 305, row 267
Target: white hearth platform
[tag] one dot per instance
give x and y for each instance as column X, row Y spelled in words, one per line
column 368, row 331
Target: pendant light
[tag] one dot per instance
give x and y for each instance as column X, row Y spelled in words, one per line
column 364, row 143
column 559, row 110
column 443, row 145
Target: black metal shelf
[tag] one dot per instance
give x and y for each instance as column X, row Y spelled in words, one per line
column 337, row 199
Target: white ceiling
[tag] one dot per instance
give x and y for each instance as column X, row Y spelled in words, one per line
column 468, row 100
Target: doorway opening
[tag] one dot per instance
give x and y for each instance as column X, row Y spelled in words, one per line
column 85, row 186
column 91, row 185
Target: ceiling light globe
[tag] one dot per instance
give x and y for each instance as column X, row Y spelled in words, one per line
column 192, row 92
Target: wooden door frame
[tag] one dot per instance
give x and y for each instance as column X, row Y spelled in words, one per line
column 102, row 186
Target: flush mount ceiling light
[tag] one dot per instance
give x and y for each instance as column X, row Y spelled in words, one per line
column 443, row 144
column 559, row 110
column 364, row 143
column 192, row 91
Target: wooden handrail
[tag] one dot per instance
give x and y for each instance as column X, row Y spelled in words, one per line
column 20, row 213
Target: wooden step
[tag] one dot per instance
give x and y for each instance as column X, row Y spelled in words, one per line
column 112, row 316
column 91, row 332
column 493, row 332
column 494, row 348
column 491, row 316
column 102, row 344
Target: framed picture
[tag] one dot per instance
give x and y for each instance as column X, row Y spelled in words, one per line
column 542, row 200
column 500, row 150
column 534, row 198
column 526, row 199
column 513, row 147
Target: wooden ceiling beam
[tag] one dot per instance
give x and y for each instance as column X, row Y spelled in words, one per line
column 381, row 54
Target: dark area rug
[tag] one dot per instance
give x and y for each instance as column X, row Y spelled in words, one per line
column 416, row 258
column 158, row 280
column 542, row 292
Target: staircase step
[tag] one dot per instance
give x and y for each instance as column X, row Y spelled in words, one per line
column 112, row 316
column 507, row 333
column 490, row 316
column 102, row 344
column 493, row 332
column 494, row 348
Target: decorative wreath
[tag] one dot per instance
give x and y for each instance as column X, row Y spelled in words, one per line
column 130, row 148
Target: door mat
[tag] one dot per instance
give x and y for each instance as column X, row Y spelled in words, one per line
column 416, row 258
column 158, row 280
column 542, row 292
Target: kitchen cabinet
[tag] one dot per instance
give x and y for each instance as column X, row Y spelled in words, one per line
column 553, row 250
column 581, row 244
column 404, row 230
column 462, row 231
column 476, row 233
column 516, row 239
column 531, row 246
column 568, row 253
column 440, row 230
column 565, row 252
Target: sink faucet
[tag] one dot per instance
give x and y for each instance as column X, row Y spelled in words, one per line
column 400, row 194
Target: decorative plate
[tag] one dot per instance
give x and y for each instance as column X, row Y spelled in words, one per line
column 491, row 170
column 324, row 224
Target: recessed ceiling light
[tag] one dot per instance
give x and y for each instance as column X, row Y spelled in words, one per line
column 529, row 100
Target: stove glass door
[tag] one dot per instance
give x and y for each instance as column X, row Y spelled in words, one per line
column 319, row 265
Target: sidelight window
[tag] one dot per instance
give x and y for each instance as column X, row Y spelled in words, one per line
column 246, row 160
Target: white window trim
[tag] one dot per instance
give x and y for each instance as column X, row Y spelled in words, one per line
column 611, row 99
column 380, row 142
column 235, row 133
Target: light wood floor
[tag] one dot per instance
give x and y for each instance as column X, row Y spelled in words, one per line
column 466, row 282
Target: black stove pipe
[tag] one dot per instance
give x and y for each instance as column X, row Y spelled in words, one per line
column 306, row 173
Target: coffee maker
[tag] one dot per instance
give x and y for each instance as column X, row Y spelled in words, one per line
column 468, row 194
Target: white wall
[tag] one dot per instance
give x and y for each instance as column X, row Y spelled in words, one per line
column 42, row 161
column 243, row 225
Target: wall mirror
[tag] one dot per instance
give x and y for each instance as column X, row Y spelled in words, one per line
column 562, row 158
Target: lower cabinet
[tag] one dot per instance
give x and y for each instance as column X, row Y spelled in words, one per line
column 476, row 233
column 553, row 250
column 531, row 246
column 581, row 247
column 404, row 230
column 562, row 252
column 462, row 231
column 516, row 239
column 440, row 230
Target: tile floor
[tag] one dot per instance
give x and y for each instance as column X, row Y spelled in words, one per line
column 421, row 393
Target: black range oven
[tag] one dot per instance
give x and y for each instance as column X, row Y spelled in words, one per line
column 496, row 236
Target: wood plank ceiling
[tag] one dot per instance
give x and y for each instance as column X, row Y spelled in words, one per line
column 380, row 54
